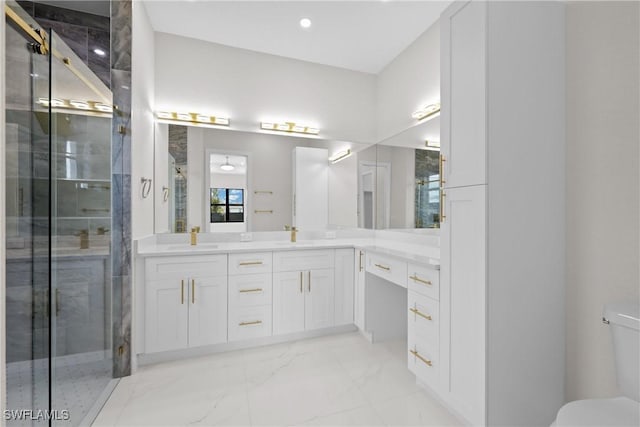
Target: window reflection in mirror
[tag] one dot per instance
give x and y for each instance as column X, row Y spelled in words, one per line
column 227, row 192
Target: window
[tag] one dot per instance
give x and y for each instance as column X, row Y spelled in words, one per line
column 227, row 205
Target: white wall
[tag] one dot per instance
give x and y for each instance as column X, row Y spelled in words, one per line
column 602, row 184
column 250, row 87
column 411, row 81
column 142, row 120
column 2, row 218
column 161, row 178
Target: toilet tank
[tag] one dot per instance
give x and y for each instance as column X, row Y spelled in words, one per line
column 624, row 320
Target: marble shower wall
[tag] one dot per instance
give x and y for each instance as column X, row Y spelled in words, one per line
column 121, row 17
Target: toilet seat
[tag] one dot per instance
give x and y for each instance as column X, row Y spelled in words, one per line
column 619, row 411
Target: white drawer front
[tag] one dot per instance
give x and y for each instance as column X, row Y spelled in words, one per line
column 424, row 317
column 185, row 266
column 257, row 262
column 250, row 290
column 306, row 259
column 423, row 361
column 249, row 322
column 388, row 268
column 424, row 280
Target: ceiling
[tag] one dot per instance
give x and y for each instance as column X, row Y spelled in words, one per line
column 357, row 35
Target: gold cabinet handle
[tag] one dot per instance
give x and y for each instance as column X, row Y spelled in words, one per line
column 384, row 267
column 442, row 196
column 251, row 263
column 193, row 291
column 360, row 261
column 415, row 278
column 301, row 282
column 255, row 322
column 441, row 170
column 309, row 280
column 419, row 313
column 182, row 291
column 242, row 291
column 425, row 360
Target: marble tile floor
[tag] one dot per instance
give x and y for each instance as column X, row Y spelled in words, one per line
column 332, row 380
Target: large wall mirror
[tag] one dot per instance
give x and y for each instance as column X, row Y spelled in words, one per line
column 234, row 181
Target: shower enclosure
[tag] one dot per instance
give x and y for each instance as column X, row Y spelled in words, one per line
column 58, row 222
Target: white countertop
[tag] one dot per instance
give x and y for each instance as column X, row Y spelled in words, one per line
column 412, row 252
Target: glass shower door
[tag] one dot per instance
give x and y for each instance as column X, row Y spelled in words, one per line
column 80, row 125
column 27, row 230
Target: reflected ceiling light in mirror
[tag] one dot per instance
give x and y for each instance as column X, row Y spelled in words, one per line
column 193, row 118
column 340, row 155
column 305, row 23
column 76, row 104
column 432, row 145
column 429, row 112
column 227, row 166
column 289, row 127
column 99, row 52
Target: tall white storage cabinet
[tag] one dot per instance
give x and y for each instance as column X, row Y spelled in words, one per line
column 310, row 188
column 502, row 253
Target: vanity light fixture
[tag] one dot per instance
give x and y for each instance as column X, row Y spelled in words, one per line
column 429, row 112
column 340, row 155
column 193, row 118
column 75, row 104
column 227, row 166
column 289, row 127
column 432, row 145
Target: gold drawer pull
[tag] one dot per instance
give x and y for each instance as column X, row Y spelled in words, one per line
column 242, row 291
column 416, row 354
column 255, row 322
column 251, row 263
column 415, row 278
column 419, row 313
column 193, row 291
column 182, row 291
column 384, row 267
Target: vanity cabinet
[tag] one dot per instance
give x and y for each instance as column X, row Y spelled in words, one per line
column 250, row 295
column 502, row 138
column 186, row 302
column 303, row 290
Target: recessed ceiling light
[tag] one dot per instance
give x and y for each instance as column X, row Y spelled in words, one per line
column 99, row 52
column 305, row 23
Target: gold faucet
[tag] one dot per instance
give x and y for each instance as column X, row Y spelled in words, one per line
column 293, row 234
column 84, row 239
column 194, row 235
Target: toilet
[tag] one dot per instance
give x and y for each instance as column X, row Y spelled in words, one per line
column 624, row 320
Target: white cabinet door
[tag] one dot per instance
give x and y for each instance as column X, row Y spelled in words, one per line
column 288, row 302
column 463, row 115
column 311, row 188
column 166, row 316
column 359, row 290
column 462, row 300
column 344, row 284
column 207, row 310
column 319, row 300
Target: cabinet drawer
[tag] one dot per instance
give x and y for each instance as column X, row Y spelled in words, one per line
column 303, row 260
column 424, row 361
column 424, row 280
column 250, row 290
column 185, row 266
column 257, row 262
column 423, row 317
column 249, row 322
column 388, row 268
